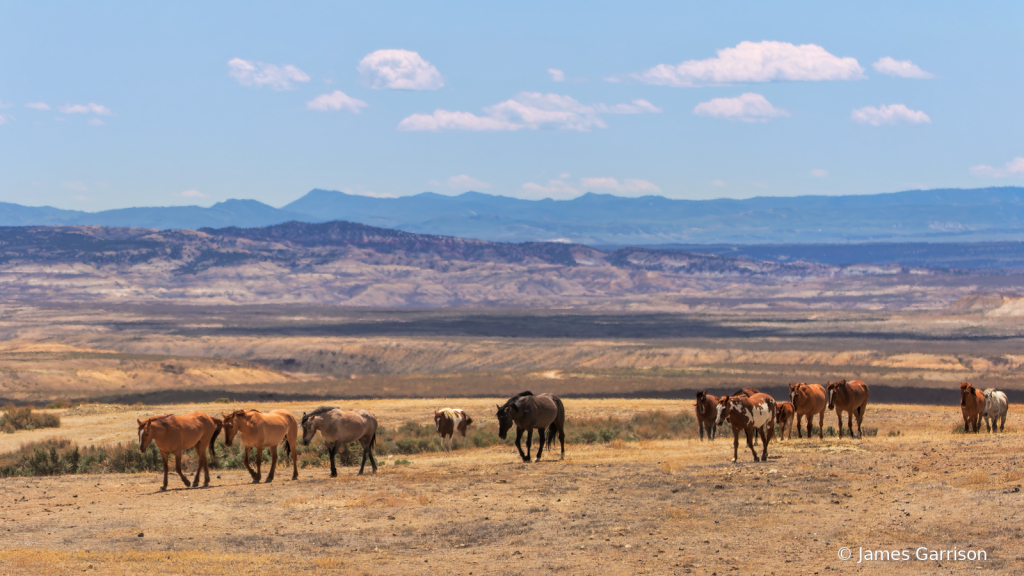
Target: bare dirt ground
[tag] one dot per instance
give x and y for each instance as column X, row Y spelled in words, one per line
column 657, row 507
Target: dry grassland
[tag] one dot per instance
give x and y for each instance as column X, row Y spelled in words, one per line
column 657, row 507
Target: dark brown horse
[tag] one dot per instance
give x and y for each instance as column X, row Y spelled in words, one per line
column 755, row 414
column 808, row 400
column 174, row 434
column 850, row 397
column 706, row 413
column 972, row 406
column 527, row 412
column 784, row 412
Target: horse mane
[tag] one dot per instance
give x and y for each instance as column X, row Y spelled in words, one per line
column 451, row 414
column 512, row 400
column 152, row 419
column 318, row 412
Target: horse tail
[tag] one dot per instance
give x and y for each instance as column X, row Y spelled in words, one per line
column 468, row 420
column 218, row 424
column 287, row 448
column 558, row 422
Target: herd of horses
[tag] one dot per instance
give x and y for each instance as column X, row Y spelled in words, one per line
column 756, row 413
column 747, row 410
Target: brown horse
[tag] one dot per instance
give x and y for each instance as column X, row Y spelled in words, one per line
column 784, row 418
column 264, row 430
column 339, row 427
column 748, row 392
column 526, row 411
column 174, row 434
column 755, row 414
column 449, row 421
column 972, row 405
column 850, row 397
column 706, row 413
column 808, row 400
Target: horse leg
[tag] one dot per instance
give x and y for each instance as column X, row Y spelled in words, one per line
column 259, row 464
column 273, row 463
column 202, row 461
column 293, row 448
column 735, row 444
column 245, row 460
column 164, row 456
column 177, row 468
column 519, row 445
column 821, row 425
column 799, row 428
column 700, row 424
column 860, row 420
column 751, row 434
column 369, row 452
column 839, row 415
column 1002, row 422
column 363, row 465
column 529, row 442
column 765, row 437
column 332, row 450
column 849, row 422
column 561, row 440
column 540, row 444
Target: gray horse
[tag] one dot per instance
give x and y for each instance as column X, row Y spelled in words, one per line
column 526, row 411
column 339, row 427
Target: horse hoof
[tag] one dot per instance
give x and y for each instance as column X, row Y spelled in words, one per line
column 163, row 488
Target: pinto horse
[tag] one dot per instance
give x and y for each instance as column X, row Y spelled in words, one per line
column 755, row 414
column 850, row 397
column 526, row 411
column 808, row 400
column 264, row 430
column 449, row 421
column 784, row 418
column 174, row 434
column 339, row 427
column 996, row 406
column 972, row 406
column 706, row 413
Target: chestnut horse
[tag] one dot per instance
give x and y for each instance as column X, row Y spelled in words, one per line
column 449, row 421
column 755, row 414
column 526, row 411
column 972, row 406
column 784, row 418
column 174, row 434
column 808, row 400
column 264, row 430
column 850, row 397
column 706, row 413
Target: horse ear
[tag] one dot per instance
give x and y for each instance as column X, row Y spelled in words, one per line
column 139, row 421
column 499, row 407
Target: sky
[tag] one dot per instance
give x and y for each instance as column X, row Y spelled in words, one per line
column 117, row 104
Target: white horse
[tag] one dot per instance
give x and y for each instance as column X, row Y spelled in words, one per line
column 996, row 407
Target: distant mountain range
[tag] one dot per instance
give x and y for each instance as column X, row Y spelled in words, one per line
column 947, row 215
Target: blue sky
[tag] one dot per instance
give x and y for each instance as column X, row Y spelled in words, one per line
column 130, row 104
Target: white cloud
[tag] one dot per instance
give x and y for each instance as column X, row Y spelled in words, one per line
column 192, row 194
column 747, row 107
column 555, row 189
column 756, row 62
column 336, row 100
column 718, row 183
column 901, row 68
column 5, row 104
column 556, row 75
column 530, row 110
column 1012, row 169
column 399, row 70
column 463, row 182
column 258, row 74
column 95, row 122
column 4, row 119
column 626, row 186
column 90, row 108
column 889, row 114
column 38, row 106
column 818, row 173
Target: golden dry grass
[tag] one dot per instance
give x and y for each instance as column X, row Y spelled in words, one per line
column 652, row 507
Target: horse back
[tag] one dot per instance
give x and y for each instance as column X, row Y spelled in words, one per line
column 180, row 432
column 541, row 411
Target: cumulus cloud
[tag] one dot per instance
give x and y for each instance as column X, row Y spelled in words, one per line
column 626, row 186
column 556, row 189
column 902, row 68
column 41, row 106
column 1012, row 169
column 90, row 108
column 192, row 194
column 531, row 110
column 819, row 173
column 756, row 62
column 399, row 70
column 463, row 182
column 336, row 100
column 259, row 74
column 556, row 75
column 889, row 114
column 747, row 107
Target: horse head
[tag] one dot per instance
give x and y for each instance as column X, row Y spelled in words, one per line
column 701, row 397
column 723, row 409
column 831, row 390
column 966, row 389
column 231, row 423
column 792, row 391
column 145, row 434
column 506, row 418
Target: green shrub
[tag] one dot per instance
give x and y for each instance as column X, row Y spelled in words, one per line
column 24, row 418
